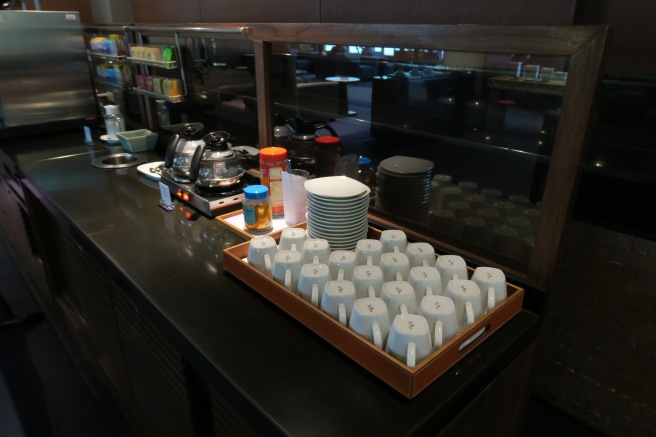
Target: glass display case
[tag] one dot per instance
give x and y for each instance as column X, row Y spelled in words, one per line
column 499, row 115
column 495, row 116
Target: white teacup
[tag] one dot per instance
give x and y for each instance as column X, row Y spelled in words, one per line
column 365, row 277
column 409, row 339
column 292, row 236
column 440, row 312
column 261, row 253
column 392, row 238
column 492, row 282
column 287, row 268
column 449, row 265
column 370, row 319
column 397, row 294
column 343, row 260
column 368, row 248
column 423, row 277
column 312, row 282
column 420, row 254
column 466, row 297
column 393, row 263
column 338, row 299
column 316, row 247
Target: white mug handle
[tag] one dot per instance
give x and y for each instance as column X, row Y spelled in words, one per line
column 342, row 314
column 412, row 354
column 399, row 276
column 293, row 247
column 404, row 309
column 315, row 295
column 370, row 260
column 491, row 299
column 267, row 264
column 288, row 280
column 455, row 276
column 315, row 259
column 340, row 275
column 424, row 263
column 378, row 335
column 429, row 291
column 439, row 335
column 371, row 291
column 396, row 249
column 469, row 310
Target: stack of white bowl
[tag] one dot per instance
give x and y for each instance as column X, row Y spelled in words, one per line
column 403, row 186
column 337, row 208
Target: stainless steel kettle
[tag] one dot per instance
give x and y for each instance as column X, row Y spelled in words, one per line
column 215, row 167
column 181, row 148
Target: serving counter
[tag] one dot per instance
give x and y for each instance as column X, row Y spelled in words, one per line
column 182, row 347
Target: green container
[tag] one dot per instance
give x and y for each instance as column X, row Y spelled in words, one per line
column 137, row 140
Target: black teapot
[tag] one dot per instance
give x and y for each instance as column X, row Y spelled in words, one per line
column 215, row 167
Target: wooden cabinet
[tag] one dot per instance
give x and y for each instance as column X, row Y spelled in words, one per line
column 83, row 304
column 160, row 390
column 167, row 11
column 146, row 377
column 235, row 11
column 541, row 12
column 86, row 306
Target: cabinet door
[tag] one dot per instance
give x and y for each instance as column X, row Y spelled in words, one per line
column 87, row 311
column 166, row 11
column 158, row 375
column 235, row 11
column 82, row 309
column 542, row 12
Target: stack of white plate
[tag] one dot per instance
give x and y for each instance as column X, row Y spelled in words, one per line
column 403, row 186
column 337, row 208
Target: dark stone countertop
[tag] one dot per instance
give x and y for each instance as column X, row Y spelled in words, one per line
column 281, row 376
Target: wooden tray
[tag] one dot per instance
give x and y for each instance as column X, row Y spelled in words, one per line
column 408, row 381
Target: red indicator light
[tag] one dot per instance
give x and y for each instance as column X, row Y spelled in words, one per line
column 178, row 193
column 185, row 197
column 188, row 215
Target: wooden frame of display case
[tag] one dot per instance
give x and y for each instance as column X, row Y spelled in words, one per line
column 584, row 45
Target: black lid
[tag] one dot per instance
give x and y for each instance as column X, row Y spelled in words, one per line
column 191, row 131
column 217, row 140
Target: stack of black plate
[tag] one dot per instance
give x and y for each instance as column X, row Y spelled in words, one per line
column 403, row 186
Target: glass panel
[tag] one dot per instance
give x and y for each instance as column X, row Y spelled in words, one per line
column 618, row 171
column 219, row 78
column 484, row 122
column 111, row 72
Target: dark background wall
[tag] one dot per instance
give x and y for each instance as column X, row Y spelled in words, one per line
column 596, row 356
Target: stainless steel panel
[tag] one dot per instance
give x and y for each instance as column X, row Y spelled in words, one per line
column 44, row 74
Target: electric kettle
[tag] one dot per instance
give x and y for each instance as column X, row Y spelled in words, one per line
column 215, row 167
column 181, row 148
